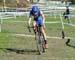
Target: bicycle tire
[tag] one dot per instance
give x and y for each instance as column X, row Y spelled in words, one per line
column 40, row 41
column 41, row 45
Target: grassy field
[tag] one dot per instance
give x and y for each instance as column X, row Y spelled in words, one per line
column 15, row 44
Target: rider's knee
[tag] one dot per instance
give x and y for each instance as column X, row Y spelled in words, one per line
column 34, row 23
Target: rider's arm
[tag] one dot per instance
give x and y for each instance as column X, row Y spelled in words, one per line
column 29, row 20
column 42, row 14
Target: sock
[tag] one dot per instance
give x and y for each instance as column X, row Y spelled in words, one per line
column 45, row 41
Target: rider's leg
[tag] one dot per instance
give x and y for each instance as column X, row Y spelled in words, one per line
column 40, row 22
column 34, row 23
column 44, row 36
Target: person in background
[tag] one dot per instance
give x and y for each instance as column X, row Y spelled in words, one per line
column 67, row 14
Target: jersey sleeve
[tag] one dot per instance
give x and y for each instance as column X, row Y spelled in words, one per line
column 41, row 12
column 30, row 14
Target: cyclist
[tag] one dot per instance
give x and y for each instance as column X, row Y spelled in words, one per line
column 67, row 14
column 38, row 18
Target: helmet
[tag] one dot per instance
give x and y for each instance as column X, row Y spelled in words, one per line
column 35, row 9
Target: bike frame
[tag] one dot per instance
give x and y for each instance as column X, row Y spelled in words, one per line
column 40, row 41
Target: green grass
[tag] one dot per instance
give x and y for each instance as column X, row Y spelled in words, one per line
column 14, row 47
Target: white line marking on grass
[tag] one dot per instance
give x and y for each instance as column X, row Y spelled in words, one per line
column 7, row 17
column 45, row 22
column 33, row 36
column 53, row 22
column 70, row 24
column 48, row 22
column 52, row 37
column 17, row 21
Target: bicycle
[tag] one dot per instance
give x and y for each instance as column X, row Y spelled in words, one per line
column 40, row 41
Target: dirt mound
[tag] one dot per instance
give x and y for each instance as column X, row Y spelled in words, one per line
column 16, row 3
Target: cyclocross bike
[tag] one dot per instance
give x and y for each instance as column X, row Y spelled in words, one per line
column 40, row 41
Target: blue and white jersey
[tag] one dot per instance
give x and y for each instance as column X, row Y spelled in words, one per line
column 35, row 16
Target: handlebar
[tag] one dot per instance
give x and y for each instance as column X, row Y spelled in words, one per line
column 29, row 28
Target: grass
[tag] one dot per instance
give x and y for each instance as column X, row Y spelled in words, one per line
column 15, row 47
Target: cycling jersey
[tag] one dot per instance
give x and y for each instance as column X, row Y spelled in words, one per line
column 38, row 18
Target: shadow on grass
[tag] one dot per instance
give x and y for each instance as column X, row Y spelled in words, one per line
column 67, row 43
column 18, row 51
